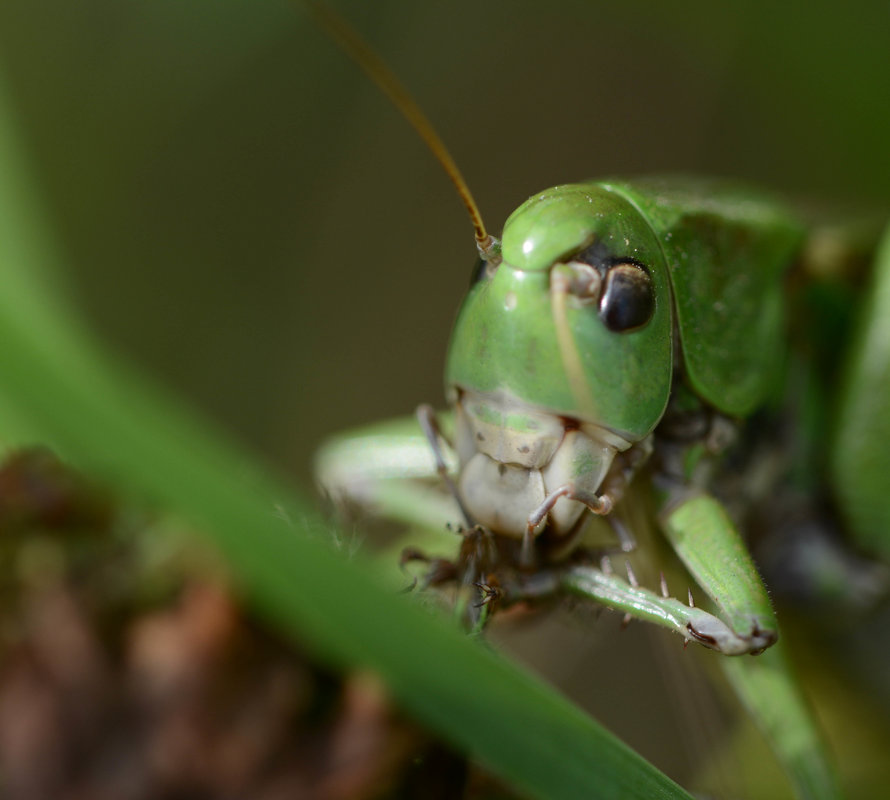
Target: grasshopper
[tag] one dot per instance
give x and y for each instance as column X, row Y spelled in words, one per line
column 626, row 335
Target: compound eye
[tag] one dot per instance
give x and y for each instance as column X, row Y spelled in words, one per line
column 628, row 301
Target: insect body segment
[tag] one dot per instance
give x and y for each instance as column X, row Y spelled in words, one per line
column 727, row 248
column 514, row 457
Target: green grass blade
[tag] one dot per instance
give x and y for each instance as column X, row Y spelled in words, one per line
column 768, row 688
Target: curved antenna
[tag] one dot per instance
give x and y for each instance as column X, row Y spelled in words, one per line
column 373, row 66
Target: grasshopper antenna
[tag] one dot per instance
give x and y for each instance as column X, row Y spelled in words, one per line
column 348, row 40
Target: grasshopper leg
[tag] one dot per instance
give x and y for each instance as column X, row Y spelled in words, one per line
column 598, row 504
column 711, row 547
column 387, row 469
column 426, row 416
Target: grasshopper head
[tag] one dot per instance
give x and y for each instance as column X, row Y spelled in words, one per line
column 576, row 319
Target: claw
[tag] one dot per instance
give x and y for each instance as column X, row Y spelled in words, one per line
column 701, row 638
column 440, row 569
column 759, row 635
column 603, row 506
column 490, row 594
column 410, row 554
column 691, row 601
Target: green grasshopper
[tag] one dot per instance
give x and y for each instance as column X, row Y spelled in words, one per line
column 618, row 325
column 612, row 347
column 560, row 371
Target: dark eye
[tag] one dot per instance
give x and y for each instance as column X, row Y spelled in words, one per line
column 628, row 299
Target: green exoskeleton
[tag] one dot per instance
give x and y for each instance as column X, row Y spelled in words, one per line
column 618, row 326
column 608, row 354
column 562, row 364
column 619, row 335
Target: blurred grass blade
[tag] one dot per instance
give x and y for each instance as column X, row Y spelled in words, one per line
column 57, row 385
column 767, row 687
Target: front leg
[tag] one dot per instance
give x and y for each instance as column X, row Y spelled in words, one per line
column 637, row 602
column 690, row 444
column 712, row 549
column 389, row 470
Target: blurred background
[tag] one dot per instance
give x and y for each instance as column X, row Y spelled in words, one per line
column 244, row 214
column 246, row 217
